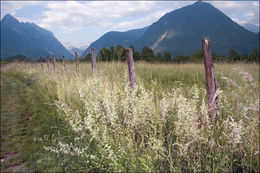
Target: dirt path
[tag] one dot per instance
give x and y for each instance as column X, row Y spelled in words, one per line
column 15, row 124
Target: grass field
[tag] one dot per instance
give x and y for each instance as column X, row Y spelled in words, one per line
column 85, row 122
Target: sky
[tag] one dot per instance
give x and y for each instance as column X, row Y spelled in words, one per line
column 79, row 23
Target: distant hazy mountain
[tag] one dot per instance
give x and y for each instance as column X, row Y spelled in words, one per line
column 78, row 50
column 28, row 39
column 115, row 38
column 181, row 31
column 251, row 27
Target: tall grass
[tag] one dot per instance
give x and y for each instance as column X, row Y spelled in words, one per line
column 100, row 124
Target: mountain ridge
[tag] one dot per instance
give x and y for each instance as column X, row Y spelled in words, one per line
column 28, row 39
column 180, row 32
column 251, row 27
column 185, row 27
column 114, row 38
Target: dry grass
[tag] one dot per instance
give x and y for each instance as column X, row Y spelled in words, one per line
column 100, row 124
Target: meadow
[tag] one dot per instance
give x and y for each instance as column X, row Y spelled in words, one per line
column 96, row 122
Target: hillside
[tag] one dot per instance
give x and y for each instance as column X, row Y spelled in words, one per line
column 28, row 39
column 180, row 32
column 115, row 38
column 251, row 27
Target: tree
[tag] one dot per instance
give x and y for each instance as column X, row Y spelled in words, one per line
column 16, row 58
column 197, row 56
column 86, row 58
column 182, row 58
column 245, row 57
column 119, row 53
column 167, row 56
column 254, row 56
column 233, row 55
column 137, row 56
column 112, row 50
column 218, row 58
column 105, row 54
column 159, row 57
column 147, row 54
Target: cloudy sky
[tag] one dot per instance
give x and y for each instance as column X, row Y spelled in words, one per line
column 78, row 23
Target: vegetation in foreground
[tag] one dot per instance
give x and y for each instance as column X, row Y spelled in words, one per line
column 86, row 122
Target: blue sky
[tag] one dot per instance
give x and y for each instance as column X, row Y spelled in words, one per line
column 79, row 23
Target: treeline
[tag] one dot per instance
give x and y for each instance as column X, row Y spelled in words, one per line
column 118, row 54
column 15, row 58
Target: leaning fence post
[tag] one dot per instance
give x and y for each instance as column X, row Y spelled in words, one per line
column 211, row 78
column 131, row 67
column 64, row 62
column 54, row 62
column 77, row 61
column 93, row 60
column 47, row 59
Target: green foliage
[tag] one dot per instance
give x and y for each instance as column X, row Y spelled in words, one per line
column 233, row 55
column 118, row 54
column 167, row 56
column 147, row 54
column 113, row 54
column 86, row 58
column 255, row 55
column 197, row 56
column 15, row 58
column 159, row 57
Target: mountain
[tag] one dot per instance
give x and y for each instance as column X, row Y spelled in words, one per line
column 251, row 27
column 78, row 50
column 28, row 39
column 115, row 38
column 181, row 31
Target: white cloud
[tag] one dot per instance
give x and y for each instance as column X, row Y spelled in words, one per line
column 12, row 6
column 240, row 22
column 139, row 22
column 74, row 16
column 248, row 14
column 243, row 11
column 112, row 14
column 120, row 14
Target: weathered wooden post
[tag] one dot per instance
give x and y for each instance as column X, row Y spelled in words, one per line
column 77, row 61
column 41, row 62
column 54, row 62
column 64, row 62
column 211, row 79
column 93, row 60
column 47, row 59
column 131, row 67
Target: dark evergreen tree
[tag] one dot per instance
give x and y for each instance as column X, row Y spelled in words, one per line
column 233, row 55
column 147, row 54
column 159, row 57
column 167, row 56
column 254, row 56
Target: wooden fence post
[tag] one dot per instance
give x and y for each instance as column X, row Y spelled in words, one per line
column 54, row 62
column 47, row 59
column 41, row 62
column 93, row 60
column 131, row 67
column 77, row 61
column 211, row 79
column 64, row 62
